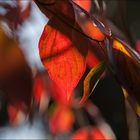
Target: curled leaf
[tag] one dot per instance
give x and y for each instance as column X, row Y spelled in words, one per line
column 92, row 80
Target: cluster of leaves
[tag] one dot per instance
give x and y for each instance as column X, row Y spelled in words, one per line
column 73, row 39
column 70, row 35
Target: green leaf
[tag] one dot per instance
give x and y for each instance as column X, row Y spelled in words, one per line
column 92, row 80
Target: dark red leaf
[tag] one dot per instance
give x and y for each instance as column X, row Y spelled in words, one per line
column 85, row 4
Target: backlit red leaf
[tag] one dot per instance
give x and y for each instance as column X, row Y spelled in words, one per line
column 44, row 88
column 85, row 4
column 62, row 59
column 63, row 45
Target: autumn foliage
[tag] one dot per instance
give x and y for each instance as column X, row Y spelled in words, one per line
column 69, row 58
column 77, row 45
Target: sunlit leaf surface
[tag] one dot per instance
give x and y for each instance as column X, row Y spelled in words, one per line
column 62, row 59
column 86, row 4
column 70, row 19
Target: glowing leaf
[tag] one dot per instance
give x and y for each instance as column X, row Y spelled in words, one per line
column 62, row 59
column 68, row 14
column 38, row 89
column 86, row 133
column 120, row 47
column 85, row 4
column 89, row 25
column 93, row 78
column 69, row 58
column 89, row 28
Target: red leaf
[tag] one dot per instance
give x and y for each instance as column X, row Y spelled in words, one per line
column 61, row 119
column 45, row 87
column 62, row 14
column 61, row 58
column 41, row 86
column 92, row 59
column 63, row 45
column 92, row 133
column 87, row 24
column 85, row 4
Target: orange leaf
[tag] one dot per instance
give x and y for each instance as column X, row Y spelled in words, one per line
column 85, row 4
column 92, row 80
column 87, row 24
column 62, row 59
